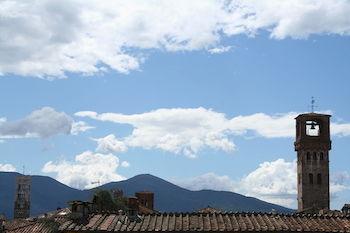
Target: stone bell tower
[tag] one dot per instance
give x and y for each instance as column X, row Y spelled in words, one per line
column 22, row 198
column 312, row 145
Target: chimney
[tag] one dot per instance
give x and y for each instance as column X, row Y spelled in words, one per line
column 146, row 199
column 133, row 206
column 80, row 210
column 346, row 209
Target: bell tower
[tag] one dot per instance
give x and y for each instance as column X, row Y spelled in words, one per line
column 313, row 144
column 22, row 198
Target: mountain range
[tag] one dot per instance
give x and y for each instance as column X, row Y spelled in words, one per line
column 48, row 194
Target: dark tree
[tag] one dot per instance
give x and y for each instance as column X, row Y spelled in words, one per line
column 104, row 201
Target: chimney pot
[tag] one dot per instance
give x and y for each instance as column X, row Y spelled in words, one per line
column 133, row 206
column 80, row 210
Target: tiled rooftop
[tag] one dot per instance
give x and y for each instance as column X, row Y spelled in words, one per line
column 205, row 222
column 186, row 222
column 32, row 226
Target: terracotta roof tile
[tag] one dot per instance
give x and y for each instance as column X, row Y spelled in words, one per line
column 189, row 222
column 32, row 226
column 158, row 222
column 206, row 222
column 234, row 222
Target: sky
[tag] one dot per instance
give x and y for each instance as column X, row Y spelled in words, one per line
column 201, row 93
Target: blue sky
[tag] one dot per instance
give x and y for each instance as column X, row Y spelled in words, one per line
column 208, row 109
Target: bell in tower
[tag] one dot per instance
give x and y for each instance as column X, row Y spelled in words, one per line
column 312, row 145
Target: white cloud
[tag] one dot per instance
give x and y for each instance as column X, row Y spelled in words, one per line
column 125, row 164
column 7, row 168
column 189, row 130
column 44, row 123
column 340, row 181
column 80, row 126
column 261, row 124
column 340, row 129
column 110, row 144
column 274, row 182
column 180, row 131
column 49, row 38
column 87, row 171
column 218, row 50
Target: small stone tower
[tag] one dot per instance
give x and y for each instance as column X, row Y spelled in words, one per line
column 146, row 199
column 312, row 145
column 22, row 198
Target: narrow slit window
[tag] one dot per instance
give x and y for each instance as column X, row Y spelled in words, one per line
column 319, row 178
column 321, row 156
column 311, row 178
column 314, row 157
column 308, row 157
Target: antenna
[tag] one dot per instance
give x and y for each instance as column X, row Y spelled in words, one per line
column 313, row 106
column 96, row 182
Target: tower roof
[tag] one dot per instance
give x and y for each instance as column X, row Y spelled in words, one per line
column 312, row 114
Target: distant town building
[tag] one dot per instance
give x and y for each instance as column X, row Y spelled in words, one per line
column 146, row 199
column 22, row 198
column 117, row 194
column 346, row 209
column 312, row 145
column 209, row 209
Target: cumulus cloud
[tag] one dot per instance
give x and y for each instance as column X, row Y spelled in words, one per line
column 44, row 123
column 87, row 171
column 49, row 38
column 7, row 168
column 180, row 131
column 274, row 182
column 188, row 130
column 110, row 144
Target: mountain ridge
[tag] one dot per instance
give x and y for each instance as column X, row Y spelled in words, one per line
column 48, row 194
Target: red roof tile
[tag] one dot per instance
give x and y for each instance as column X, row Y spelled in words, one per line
column 224, row 222
column 186, row 222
